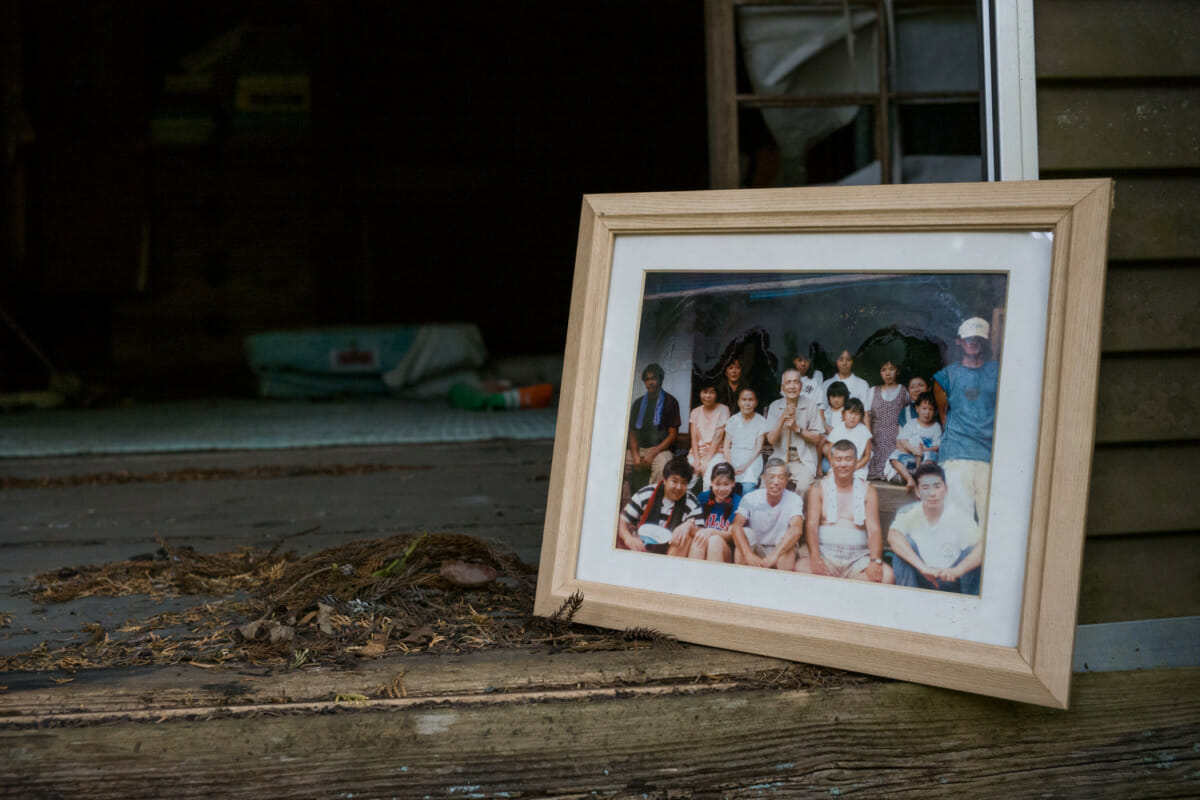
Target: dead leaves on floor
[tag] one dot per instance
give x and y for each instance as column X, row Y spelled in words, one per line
column 173, row 571
column 437, row 593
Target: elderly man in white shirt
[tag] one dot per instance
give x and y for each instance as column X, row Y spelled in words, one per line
column 795, row 430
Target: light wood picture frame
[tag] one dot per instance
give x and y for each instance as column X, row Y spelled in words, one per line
column 1046, row 239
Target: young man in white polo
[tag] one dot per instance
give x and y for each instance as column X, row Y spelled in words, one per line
column 769, row 522
column 843, row 534
column 936, row 545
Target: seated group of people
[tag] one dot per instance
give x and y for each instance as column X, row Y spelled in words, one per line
column 833, row 530
column 751, row 513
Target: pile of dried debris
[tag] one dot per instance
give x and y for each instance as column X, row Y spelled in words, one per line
column 440, row 593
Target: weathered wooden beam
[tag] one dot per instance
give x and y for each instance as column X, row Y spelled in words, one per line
column 1128, row 735
column 33, row 696
column 1116, row 38
column 1107, row 128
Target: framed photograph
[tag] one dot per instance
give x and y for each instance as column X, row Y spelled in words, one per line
column 738, row 461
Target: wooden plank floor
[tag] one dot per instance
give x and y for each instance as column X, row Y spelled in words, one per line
column 494, row 490
column 694, row 722
column 631, row 725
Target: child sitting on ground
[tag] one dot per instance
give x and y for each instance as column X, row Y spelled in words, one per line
column 917, row 386
column 706, row 426
column 744, row 435
column 917, row 443
column 707, row 536
column 852, row 428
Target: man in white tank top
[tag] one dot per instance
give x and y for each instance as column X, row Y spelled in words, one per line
column 842, row 527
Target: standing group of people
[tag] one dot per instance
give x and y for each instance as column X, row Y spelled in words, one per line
column 817, row 448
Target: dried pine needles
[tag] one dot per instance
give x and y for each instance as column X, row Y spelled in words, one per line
column 439, row 593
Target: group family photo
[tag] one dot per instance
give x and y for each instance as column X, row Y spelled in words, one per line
column 835, row 424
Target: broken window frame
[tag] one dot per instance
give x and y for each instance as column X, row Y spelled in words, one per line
column 1007, row 97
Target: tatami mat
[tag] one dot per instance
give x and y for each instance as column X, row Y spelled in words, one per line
column 258, row 425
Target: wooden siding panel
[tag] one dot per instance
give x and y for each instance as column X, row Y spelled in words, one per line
column 1090, row 128
column 1144, row 489
column 1140, row 577
column 1116, row 38
column 1148, row 399
column 1152, row 307
column 1154, row 218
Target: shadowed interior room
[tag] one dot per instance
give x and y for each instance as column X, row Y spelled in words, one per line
column 183, row 175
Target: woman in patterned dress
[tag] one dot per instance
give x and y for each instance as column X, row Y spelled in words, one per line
column 883, row 417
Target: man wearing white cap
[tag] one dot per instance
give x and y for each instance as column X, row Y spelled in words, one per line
column 966, row 400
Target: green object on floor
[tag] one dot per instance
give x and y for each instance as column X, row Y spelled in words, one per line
column 464, row 395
